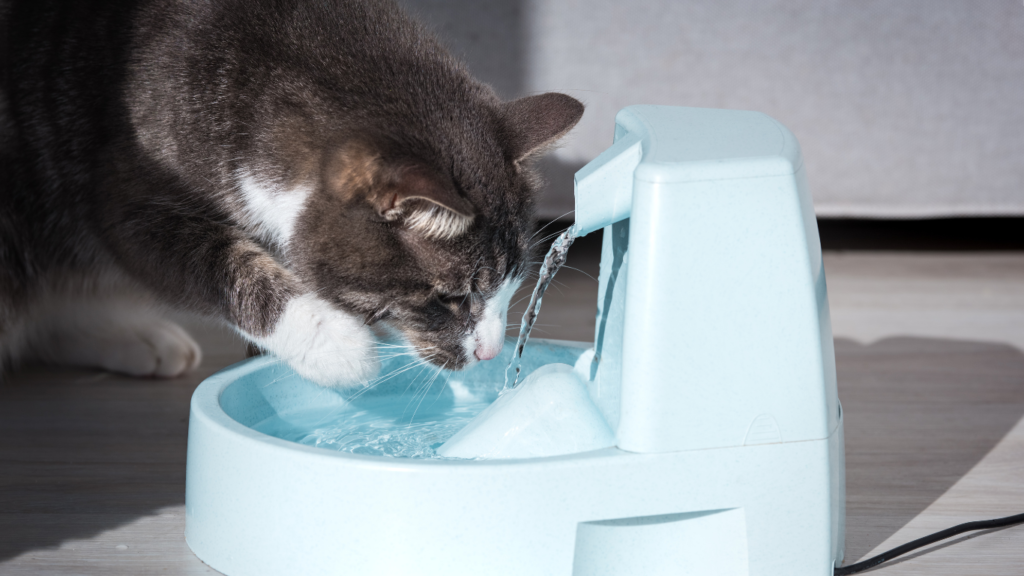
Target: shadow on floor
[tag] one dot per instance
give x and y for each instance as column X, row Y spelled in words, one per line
column 928, row 235
column 82, row 452
column 948, row 235
column 920, row 414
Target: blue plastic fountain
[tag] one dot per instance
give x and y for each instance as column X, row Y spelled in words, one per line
column 712, row 367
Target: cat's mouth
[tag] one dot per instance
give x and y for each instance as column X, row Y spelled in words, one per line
column 445, row 359
column 451, row 362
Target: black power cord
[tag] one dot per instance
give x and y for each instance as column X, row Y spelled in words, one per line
column 947, row 533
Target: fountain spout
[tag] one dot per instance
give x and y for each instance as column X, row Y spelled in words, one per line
column 604, row 187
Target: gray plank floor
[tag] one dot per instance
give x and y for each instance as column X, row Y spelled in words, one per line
column 931, row 374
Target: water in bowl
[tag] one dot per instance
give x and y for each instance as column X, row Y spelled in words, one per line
column 395, row 428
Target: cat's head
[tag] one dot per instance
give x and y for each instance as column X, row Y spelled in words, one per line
column 423, row 227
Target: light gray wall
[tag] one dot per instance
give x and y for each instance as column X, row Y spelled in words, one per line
column 903, row 108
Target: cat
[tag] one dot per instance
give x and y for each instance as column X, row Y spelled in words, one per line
column 309, row 172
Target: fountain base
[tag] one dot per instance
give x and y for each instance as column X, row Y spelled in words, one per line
column 259, row 505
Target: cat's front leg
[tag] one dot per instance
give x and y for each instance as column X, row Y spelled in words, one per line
column 193, row 260
column 322, row 343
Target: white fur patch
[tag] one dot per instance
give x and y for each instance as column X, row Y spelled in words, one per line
column 489, row 334
column 271, row 209
column 322, row 343
column 438, row 222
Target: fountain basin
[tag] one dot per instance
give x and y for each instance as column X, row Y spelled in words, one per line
column 257, row 504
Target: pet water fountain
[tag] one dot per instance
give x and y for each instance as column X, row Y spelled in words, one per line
column 717, row 445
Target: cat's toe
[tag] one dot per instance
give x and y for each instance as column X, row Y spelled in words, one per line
column 156, row 348
column 173, row 351
column 139, row 346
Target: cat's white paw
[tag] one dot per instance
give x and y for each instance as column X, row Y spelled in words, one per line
column 323, row 344
column 137, row 347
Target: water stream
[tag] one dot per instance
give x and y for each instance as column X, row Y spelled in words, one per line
column 553, row 261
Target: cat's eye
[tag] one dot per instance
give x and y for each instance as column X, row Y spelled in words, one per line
column 454, row 301
column 452, row 298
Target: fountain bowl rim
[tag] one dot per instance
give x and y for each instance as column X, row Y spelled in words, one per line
column 206, row 407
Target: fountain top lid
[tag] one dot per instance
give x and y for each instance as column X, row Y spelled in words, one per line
column 693, row 144
column 671, row 144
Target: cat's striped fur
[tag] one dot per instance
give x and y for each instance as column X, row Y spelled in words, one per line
column 304, row 170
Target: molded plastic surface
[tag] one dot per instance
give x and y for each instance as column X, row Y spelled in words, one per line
column 550, row 413
column 724, row 326
column 258, row 505
column 712, row 362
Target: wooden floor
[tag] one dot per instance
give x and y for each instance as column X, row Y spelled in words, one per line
column 931, row 376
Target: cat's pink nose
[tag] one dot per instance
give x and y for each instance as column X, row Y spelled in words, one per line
column 486, row 352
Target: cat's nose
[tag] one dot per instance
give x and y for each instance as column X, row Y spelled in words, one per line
column 487, row 351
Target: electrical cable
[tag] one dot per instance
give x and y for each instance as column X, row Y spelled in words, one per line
column 947, row 533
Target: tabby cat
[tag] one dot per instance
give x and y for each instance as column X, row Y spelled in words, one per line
column 308, row 171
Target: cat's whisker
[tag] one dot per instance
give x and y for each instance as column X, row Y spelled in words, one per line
column 447, row 379
column 547, row 238
column 383, row 357
column 395, row 345
column 413, row 381
column 558, row 286
column 416, row 392
column 396, row 355
column 580, row 271
column 526, row 297
column 550, row 235
column 373, row 383
column 551, row 222
column 475, row 268
column 386, row 353
column 404, row 368
column 409, row 367
column 426, row 390
column 417, row 363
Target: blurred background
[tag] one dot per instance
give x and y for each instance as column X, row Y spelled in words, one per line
column 910, row 114
column 903, row 109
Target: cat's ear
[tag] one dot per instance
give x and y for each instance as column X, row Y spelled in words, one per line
column 400, row 191
column 424, row 203
column 535, row 122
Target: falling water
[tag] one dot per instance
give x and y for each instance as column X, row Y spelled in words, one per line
column 554, row 260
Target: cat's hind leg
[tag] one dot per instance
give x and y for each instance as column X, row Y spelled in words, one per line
column 119, row 335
